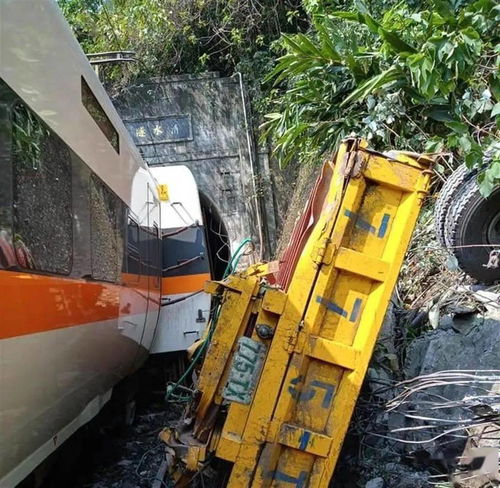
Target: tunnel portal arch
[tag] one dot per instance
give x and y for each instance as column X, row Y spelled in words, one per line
column 201, row 122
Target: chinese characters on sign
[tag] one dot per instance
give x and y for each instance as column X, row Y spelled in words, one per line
column 140, row 132
column 158, row 131
column 170, row 128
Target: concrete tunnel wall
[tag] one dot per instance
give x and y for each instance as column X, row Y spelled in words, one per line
column 202, row 122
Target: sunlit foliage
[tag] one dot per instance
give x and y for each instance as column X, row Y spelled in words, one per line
column 421, row 78
column 182, row 36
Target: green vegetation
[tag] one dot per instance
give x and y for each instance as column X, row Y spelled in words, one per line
column 421, row 77
column 183, row 36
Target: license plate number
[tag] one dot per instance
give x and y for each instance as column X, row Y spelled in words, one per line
column 245, row 371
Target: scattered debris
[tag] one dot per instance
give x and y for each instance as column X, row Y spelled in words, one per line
column 494, row 259
column 128, row 457
column 375, row 483
column 416, row 426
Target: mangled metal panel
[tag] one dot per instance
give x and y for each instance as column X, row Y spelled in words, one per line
column 319, row 334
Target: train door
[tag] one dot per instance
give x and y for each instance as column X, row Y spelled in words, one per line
column 152, row 237
column 134, row 295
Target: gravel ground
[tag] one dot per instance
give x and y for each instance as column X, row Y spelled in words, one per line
column 128, row 457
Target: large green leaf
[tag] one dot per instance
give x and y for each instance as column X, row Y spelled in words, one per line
column 395, row 41
column 354, row 16
column 457, row 127
column 441, row 113
column 372, row 84
column 495, row 110
column 328, row 48
column 360, row 18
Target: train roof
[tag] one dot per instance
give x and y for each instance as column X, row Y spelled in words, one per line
column 41, row 60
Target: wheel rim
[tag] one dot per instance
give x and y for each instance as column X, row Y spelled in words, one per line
column 493, row 232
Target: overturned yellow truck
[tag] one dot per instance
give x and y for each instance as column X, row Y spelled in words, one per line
column 286, row 351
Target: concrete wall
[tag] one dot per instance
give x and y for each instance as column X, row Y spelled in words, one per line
column 202, row 122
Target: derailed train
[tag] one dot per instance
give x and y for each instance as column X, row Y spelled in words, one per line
column 82, row 258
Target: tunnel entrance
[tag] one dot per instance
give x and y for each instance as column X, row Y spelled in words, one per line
column 202, row 122
column 216, row 237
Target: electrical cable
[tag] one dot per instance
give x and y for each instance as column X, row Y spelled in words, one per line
column 171, row 388
column 233, row 262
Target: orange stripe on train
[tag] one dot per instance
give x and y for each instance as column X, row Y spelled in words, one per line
column 184, row 284
column 32, row 303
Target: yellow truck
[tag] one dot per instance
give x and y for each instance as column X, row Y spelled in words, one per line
column 285, row 353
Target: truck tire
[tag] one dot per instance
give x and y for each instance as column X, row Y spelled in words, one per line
column 473, row 220
column 446, row 196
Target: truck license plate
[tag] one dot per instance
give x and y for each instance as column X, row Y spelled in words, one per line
column 245, row 371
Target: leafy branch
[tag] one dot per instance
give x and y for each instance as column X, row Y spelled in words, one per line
column 436, row 66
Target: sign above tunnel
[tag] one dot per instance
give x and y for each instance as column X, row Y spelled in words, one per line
column 160, row 130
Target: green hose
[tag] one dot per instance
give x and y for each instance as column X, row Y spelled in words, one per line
column 171, row 388
column 230, row 268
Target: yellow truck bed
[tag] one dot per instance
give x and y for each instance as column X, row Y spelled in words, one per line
column 284, row 367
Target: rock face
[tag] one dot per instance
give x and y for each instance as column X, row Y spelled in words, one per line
column 470, row 342
column 375, row 483
column 442, row 366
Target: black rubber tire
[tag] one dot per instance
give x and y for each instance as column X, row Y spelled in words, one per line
column 447, row 194
column 472, row 219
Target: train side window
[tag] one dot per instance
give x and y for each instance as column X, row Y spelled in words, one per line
column 41, row 191
column 7, row 254
column 95, row 110
column 133, row 258
column 106, row 232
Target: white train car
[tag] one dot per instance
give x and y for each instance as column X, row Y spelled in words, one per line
column 186, row 262
column 80, row 240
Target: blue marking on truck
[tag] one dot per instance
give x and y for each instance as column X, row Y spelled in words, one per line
column 304, row 440
column 383, row 226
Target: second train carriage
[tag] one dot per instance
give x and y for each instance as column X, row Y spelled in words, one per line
column 185, row 262
column 81, row 256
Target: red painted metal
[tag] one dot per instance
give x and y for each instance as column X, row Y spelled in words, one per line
column 304, row 226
